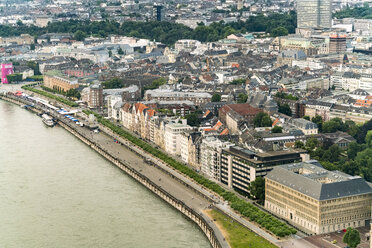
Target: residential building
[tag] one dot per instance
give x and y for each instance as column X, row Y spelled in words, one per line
column 171, row 136
column 241, row 111
column 210, row 156
column 317, row 200
column 190, row 148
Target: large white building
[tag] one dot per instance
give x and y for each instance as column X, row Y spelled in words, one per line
column 210, row 156
column 171, row 136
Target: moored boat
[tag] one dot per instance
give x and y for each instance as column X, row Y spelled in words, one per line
column 48, row 120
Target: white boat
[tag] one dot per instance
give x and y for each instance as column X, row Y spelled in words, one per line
column 48, row 120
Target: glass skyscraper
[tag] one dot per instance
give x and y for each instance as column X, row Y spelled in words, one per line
column 314, row 13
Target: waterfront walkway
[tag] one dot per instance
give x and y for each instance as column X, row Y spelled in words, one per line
column 178, row 185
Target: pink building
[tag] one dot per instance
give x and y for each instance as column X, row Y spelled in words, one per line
column 6, row 69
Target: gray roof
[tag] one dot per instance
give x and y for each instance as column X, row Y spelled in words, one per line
column 338, row 184
column 304, row 124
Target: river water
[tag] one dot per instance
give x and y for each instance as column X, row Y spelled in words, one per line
column 56, row 192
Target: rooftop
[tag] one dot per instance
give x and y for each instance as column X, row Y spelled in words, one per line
column 311, row 179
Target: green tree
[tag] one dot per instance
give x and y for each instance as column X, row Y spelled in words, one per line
column 14, row 78
column 156, row 84
column 257, row 189
column 351, row 237
column 369, row 138
column 114, row 83
column 311, row 144
column 193, row 119
column 279, row 31
column 110, row 53
column 216, row 97
column 285, row 109
column 242, row 98
column 237, row 81
column 318, row 120
column 262, row 120
column 80, row 35
column 32, row 46
column 34, row 66
column 306, row 117
column 120, row 51
column 277, row 129
column 299, row 144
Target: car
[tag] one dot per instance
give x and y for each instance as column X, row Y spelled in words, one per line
column 96, row 131
column 334, row 241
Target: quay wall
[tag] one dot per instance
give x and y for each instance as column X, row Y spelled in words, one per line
column 149, row 184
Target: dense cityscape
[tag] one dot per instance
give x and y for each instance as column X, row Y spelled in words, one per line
column 266, row 106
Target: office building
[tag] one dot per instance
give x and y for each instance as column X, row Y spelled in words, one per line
column 240, row 166
column 159, row 13
column 317, row 200
column 314, row 13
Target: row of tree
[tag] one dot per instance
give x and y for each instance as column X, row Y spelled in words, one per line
column 165, row 32
column 264, row 219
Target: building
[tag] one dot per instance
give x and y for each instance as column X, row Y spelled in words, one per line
column 95, row 96
column 42, row 21
column 210, row 156
column 190, row 148
column 317, row 200
column 171, row 137
column 159, row 13
column 239, row 166
column 337, row 43
column 197, row 98
column 314, row 14
column 57, row 81
column 6, row 69
column 241, row 110
column 307, row 127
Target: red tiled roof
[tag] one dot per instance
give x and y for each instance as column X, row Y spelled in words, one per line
column 140, row 107
column 225, row 132
column 206, row 114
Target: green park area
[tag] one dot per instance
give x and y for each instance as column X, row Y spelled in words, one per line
column 237, row 235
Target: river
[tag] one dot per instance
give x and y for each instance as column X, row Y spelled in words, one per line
column 57, row 192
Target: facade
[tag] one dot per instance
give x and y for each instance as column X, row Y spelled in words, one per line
column 316, row 200
column 159, row 13
column 337, row 43
column 171, row 136
column 314, row 14
column 95, row 96
column 6, row 69
column 190, row 148
column 55, row 80
column 307, row 127
column 210, row 156
column 239, row 166
column 197, row 98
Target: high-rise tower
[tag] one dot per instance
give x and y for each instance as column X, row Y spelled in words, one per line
column 314, row 13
